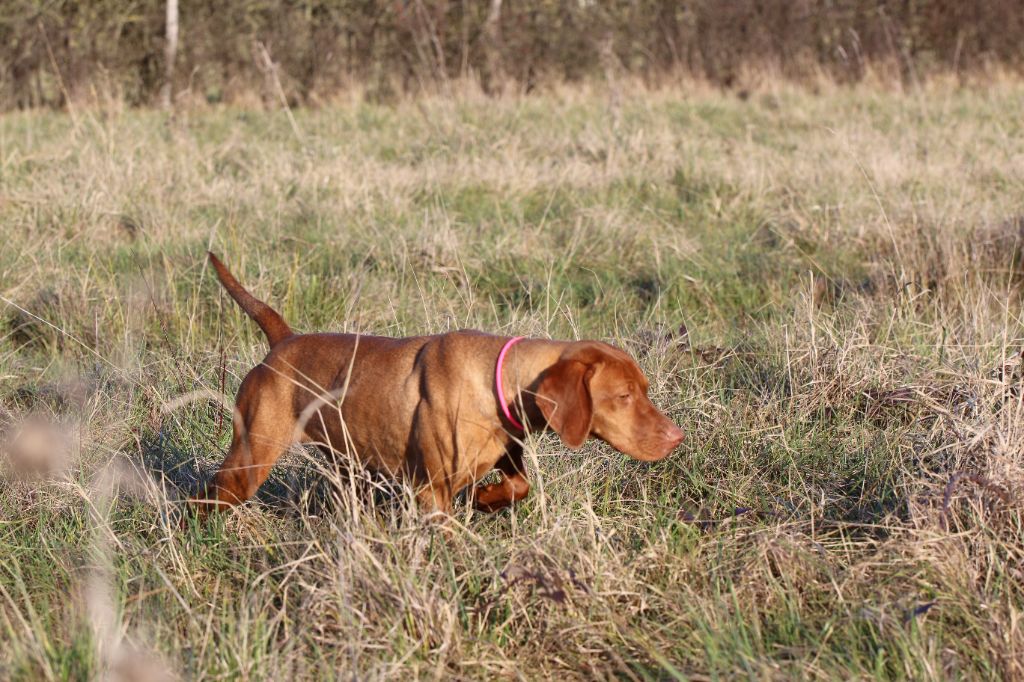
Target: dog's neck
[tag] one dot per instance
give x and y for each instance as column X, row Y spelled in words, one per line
column 524, row 367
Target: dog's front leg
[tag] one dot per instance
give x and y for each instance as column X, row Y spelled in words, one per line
column 513, row 486
column 434, row 499
column 494, row 496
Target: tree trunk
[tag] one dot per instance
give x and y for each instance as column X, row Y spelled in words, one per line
column 493, row 76
column 170, row 52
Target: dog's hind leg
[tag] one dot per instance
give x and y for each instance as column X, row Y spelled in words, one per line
column 263, row 431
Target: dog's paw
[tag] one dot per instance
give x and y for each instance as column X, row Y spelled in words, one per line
column 491, row 497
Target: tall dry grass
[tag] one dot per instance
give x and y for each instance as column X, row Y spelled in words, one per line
column 824, row 289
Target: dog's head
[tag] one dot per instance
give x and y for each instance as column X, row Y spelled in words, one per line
column 597, row 390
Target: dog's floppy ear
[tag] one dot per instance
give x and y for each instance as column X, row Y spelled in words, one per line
column 563, row 397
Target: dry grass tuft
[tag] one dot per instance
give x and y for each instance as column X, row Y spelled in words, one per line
column 37, row 448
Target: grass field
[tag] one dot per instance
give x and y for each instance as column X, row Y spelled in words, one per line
column 846, row 269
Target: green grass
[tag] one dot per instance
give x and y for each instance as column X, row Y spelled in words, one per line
column 846, row 265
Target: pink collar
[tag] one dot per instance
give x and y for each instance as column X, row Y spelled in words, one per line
column 499, row 386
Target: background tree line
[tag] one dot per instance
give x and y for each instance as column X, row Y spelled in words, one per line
column 53, row 50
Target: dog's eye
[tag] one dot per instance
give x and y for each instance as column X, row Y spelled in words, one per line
column 625, row 397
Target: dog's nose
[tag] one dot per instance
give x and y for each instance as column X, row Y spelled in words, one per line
column 674, row 435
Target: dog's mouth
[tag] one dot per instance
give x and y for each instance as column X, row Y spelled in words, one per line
column 653, row 447
column 653, row 455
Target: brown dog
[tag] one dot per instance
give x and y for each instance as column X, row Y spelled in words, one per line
column 427, row 409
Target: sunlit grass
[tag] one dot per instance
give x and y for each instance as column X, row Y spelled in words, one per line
column 845, row 267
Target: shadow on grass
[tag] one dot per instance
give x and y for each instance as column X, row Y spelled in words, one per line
column 304, row 482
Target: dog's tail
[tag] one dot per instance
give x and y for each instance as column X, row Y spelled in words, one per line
column 272, row 324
